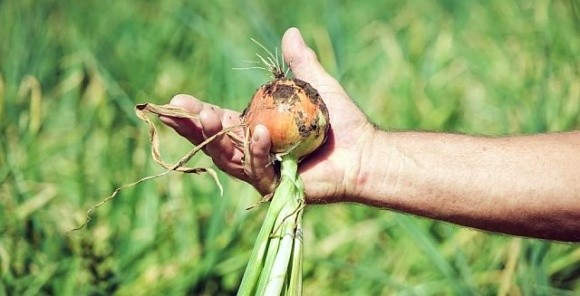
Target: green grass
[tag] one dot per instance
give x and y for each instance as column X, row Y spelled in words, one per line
column 71, row 72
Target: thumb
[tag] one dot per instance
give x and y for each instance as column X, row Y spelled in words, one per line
column 303, row 61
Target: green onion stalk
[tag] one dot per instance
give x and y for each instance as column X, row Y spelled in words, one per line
column 275, row 266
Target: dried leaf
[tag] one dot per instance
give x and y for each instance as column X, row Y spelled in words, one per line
column 172, row 111
column 167, row 110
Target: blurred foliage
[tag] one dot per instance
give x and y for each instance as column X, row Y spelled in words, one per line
column 71, row 72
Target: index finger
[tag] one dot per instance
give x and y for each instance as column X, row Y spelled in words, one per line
column 188, row 128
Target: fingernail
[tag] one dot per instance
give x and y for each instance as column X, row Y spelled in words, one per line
column 255, row 137
column 300, row 38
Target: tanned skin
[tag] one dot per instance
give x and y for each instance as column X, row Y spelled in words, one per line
column 519, row 185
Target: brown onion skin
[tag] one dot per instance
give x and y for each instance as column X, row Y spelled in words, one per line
column 294, row 114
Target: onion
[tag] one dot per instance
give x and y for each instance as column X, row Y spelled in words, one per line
column 294, row 114
column 297, row 120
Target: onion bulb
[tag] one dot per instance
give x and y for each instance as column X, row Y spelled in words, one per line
column 294, row 114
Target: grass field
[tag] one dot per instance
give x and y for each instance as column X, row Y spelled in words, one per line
column 71, row 72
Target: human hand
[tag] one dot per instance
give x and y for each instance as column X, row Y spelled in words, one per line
column 331, row 174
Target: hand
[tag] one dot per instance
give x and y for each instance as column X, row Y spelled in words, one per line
column 331, row 174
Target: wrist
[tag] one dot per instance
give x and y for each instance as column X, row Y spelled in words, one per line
column 380, row 168
column 364, row 182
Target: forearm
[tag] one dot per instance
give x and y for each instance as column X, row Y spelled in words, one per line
column 527, row 185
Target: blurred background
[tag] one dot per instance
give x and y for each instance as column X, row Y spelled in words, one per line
column 71, row 72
